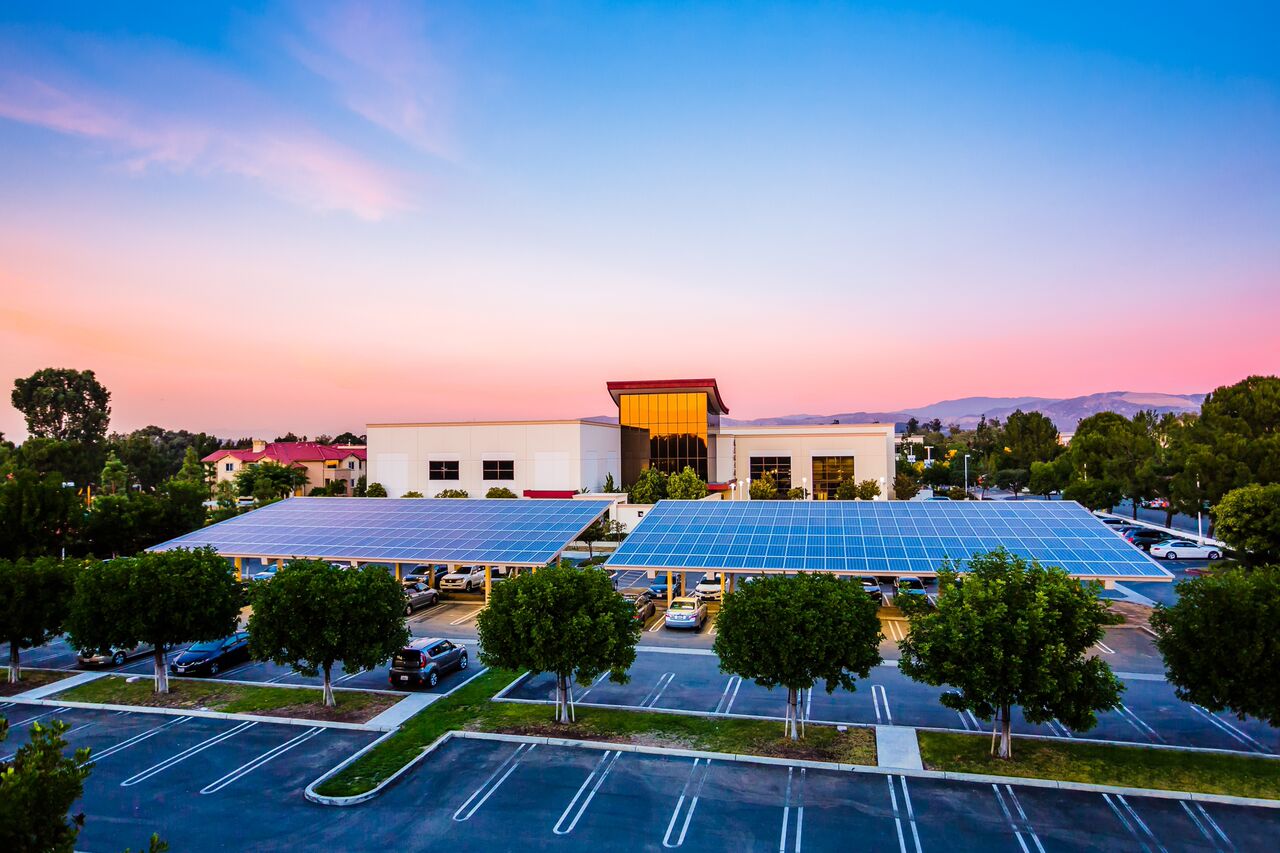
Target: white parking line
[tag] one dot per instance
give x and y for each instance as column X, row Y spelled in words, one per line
column 1129, row 819
column 658, row 622
column 1231, row 730
column 1208, row 826
column 730, row 693
column 598, row 773
column 690, row 793
column 1105, row 648
column 651, row 699
column 794, row 799
column 1138, row 723
column 292, row 672
column 185, row 754
column 490, row 785
column 1059, row 730
column 593, row 686
column 67, row 733
column 467, row 617
column 880, row 697
column 898, row 814
column 137, row 739
column 37, row 717
column 253, row 764
column 1020, row 825
column 350, row 675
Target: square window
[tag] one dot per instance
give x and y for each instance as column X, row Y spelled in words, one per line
column 442, row 469
column 499, row 469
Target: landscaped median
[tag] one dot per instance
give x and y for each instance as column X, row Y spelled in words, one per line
column 31, row 679
column 471, row 709
column 1106, row 764
column 354, row 706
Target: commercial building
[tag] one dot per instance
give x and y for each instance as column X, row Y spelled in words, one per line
column 662, row 424
column 323, row 463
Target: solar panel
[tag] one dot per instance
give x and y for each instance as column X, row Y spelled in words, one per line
column 876, row 537
column 406, row 530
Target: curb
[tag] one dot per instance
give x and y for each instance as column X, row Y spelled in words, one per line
column 195, row 712
column 356, row 799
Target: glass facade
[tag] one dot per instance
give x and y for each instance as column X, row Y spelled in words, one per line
column 778, row 466
column 828, row 473
column 681, row 430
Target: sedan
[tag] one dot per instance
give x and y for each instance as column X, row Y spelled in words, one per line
column 1181, row 549
column 642, row 599
column 871, row 587
column 912, row 586
column 1144, row 539
column 266, row 574
column 686, row 612
column 115, row 656
column 417, row 596
column 710, row 588
column 426, row 574
column 213, row 656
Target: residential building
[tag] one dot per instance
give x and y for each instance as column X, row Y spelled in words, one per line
column 323, row 463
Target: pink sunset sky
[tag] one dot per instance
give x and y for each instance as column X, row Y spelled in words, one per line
column 248, row 221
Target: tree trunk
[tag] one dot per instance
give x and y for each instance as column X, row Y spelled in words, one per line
column 162, row 673
column 1006, row 733
column 15, row 671
column 1135, row 509
column 562, row 698
column 1168, row 516
column 329, row 701
column 793, row 707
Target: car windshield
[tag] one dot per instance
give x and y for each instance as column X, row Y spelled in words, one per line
column 207, row 646
column 682, row 605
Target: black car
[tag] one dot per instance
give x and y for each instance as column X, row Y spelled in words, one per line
column 430, row 575
column 212, row 657
column 871, row 587
column 425, row 661
column 418, row 595
column 1144, row 539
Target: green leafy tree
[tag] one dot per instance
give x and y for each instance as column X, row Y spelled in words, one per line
column 1013, row 633
column 1049, row 477
column 193, row 470
column 562, row 620
column 1248, row 520
column 763, row 488
column 155, row 454
column 160, row 599
column 501, row 492
column 33, row 602
column 798, row 493
column 412, row 495
column 1013, row 479
column 610, row 487
column 850, row 490
column 268, row 481
column 905, row 487
column 375, row 490
column 450, row 493
column 70, row 461
column 38, row 515
column 68, row 405
column 1219, row 641
column 794, row 630
column 649, row 488
column 1094, row 494
column 38, row 789
column 115, row 476
column 937, row 475
column 686, row 486
column 349, row 438
column 360, row 490
column 1030, row 437
column 313, row 615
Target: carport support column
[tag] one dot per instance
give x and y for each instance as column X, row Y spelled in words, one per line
column 488, row 582
column 722, row 586
column 669, row 589
column 239, row 568
column 397, row 565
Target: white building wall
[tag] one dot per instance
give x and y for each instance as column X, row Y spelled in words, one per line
column 870, row 445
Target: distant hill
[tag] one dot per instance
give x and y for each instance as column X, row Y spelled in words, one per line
column 966, row 411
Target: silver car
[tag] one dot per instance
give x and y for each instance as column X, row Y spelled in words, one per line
column 114, row 657
column 688, row 611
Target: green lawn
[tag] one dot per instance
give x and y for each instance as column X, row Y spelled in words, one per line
column 470, row 709
column 31, row 678
column 1104, row 764
column 352, row 706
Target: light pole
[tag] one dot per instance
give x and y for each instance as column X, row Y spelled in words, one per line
column 966, row 475
column 1199, row 507
column 804, row 487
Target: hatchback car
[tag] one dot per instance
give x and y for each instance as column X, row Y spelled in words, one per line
column 709, row 588
column 425, row 661
column 1181, row 549
column 688, row 611
column 418, row 596
column 212, row 657
column 642, row 599
column 114, row 656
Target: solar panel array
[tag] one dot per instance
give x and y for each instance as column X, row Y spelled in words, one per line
column 407, row 530
column 876, row 537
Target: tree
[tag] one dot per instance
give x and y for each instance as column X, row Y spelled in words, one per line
column 446, row 493
column 797, row 493
column 1094, row 494
column 563, row 620
column 160, row 599
column 1030, row 437
column 764, row 487
column 71, row 461
column 649, row 488
column 154, row 454
column 37, row 790
column 38, row 515
column 348, row 438
column 593, row 534
column 69, row 405
column 267, row 481
column 193, row 470
column 849, row 490
column 360, row 490
column 33, row 602
column 794, row 630
column 905, row 487
column 499, row 492
column 115, row 476
column 1248, row 520
column 937, row 475
column 1013, row 633
column 313, row 615
column 1049, row 477
column 411, row 494
column 686, row 486
column 1219, row 641
column 1013, row 479
column 375, row 490
column 610, row 487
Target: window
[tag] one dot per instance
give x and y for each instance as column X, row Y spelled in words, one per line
column 442, row 470
column 778, row 466
column 828, row 473
column 230, row 466
column 351, row 466
column 499, row 469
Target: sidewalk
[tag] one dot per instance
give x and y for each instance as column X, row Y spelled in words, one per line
column 57, row 686
column 898, row 746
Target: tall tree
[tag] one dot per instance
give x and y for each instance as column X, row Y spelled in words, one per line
column 160, row 599
column 34, row 595
column 312, row 615
column 649, row 488
column 38, row 515
column 1013, row 633
column 763, row 488
column 1049, row 477
column 905, row 487
column 1248, row 520
column 686, row 486
column 1030, row 437
column 795, row 630
column 115, row 475
column 65, row 404
column 563, row 620
column 71, row 461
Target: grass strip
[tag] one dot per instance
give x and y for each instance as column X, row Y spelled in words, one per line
column 31, row 679
column 1106, row 764
column 306, row 703
column 471, row 709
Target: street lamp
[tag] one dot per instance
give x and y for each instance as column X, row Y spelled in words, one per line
column 966, row 475
column 1199, row 507
column 804, row 486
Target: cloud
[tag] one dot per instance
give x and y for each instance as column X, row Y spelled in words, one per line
column 379, row 62
column 227, row 129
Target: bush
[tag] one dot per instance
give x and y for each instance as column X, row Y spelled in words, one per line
column 375, row 490
column 412, row 495
column 500, row 492
column 453, row 493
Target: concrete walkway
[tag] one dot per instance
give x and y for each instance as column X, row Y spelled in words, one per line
column 898, row 747
column 390, row 719
column 58, row 686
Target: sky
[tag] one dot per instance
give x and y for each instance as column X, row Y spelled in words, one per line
column 260, row 217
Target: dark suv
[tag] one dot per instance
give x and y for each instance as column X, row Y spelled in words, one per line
column 1144, row 539
column 425, row 661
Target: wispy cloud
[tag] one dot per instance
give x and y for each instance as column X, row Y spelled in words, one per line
column 240, row 133
column 379, row 61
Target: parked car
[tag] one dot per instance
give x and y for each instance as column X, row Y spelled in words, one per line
column 418, row 596
column 266, row 574
column 871, row 587
column 1182, row 549
column 1146, row 537
column 425, row 661
column 687, row 611
column 212, row 657
column 425, row 574
column 709, row 589
column 114, row 656
column 659, row 586
column 1113, row 523
column 642, row 599
column 465, row 579
column 912, row 585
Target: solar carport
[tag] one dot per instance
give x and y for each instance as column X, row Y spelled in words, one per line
column 399, row 531
column 880, row 538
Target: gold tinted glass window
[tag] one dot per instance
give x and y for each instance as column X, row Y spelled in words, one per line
column 828, row 473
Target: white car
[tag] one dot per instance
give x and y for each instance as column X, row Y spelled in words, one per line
column 465, row 579
column 709, row 589
column 1181, row 549
column 266, row 574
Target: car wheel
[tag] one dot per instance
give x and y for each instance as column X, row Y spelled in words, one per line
column 215, row 668
column 462, row 662
column 1214, row 555
column 118, row 658
column 433, row 679
column 408, row 610
column 1171, row 555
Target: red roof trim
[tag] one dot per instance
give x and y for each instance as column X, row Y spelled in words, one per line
column 549, row 493
column 709, row 385
column 290, row 452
